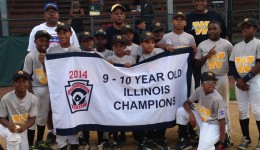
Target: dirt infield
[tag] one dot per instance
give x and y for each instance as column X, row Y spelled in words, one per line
column 171, row 134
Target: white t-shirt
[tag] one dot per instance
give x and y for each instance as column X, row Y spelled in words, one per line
column 217, row 63
column 178, row 41
column 121, row 60
column 54, row 41
column 135, row 50
column 153, row 53
column 105, row 53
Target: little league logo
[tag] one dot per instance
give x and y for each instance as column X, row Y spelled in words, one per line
column 78, row 95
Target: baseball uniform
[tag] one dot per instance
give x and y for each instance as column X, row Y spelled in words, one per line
column 210, row 110
column 105, row 53
column 121, row 60
column 153, row 53
column 18, row 111
column 135, row 50
column 244, row 55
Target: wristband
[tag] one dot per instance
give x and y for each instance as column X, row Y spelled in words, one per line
column 248, row 76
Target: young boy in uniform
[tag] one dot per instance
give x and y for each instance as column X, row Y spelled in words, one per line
column 245, row 67
column 64, row 33
column 86, row 41
column 119, row 57
column 132, row 49
column 210, row 116
column 148, row 45
column 213, row 55
column 100, row 38
column 21, row 108
column 39, row 86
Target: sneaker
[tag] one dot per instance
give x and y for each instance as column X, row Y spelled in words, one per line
column 74, row 147
column 258, row 146
column 64, row 147
column 1, row 148
column 149, row 144
column 161, row 144
column 100, row 146
column 183, row 144
column 51, row 138
column 244, row 144
column 31, row 148
column 85, row 146
column 41, row 145
column 116, row 146
column 140, row 146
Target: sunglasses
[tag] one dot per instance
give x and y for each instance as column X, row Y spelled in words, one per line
column 210, row 82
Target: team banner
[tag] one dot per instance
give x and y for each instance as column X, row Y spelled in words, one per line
column 88, row 93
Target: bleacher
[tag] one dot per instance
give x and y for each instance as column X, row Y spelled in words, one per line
column 25, row 14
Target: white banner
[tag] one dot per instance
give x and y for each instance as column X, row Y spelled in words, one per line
column 88, row 93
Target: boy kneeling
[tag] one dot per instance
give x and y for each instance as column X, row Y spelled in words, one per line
column 210, row 115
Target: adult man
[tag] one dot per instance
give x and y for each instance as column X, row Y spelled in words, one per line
column 197, row 25
column 51, row 15
column 118, row 17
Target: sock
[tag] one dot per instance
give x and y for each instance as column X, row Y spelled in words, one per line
column 183, row 131
column 30, row 135
column 244, row 124
column 258, row 127
column 40, row 132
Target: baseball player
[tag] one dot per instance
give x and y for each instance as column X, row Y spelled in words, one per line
column 213, row 55
column 100, row 38
column 245, row 67
column 64, row 32
column 39, row 86
column 119, row 57
column 210, row 116
column 51, row 15
column 21, row 108
column 131, row 48
column 86, row 41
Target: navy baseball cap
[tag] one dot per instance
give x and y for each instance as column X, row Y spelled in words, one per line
column 21, row 73
column 146, row 35
column 64, row 26
column 127, row 28
column 41, row 33
column 157, row 26
column 248, row 21
column 84, row 35
column 100, row 32
column 205, row 76
column 50, row 5
column 118, row 38
column 139, row 21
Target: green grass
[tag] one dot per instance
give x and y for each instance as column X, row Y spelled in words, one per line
column 232, row 94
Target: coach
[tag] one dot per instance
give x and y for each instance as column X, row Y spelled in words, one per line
column 51, row 16
column 197, row 25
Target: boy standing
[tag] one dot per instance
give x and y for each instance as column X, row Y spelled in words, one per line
column 245, row 66
column 64, row 33
column 21, row 108
column 132, row 49
column 39, row 86
column 210, row 116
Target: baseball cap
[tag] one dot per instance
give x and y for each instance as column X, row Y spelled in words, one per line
column 41, row 33
column 179, row 14
column 248, row 21
column 100, row 32
column 84, row 35
column 138, row 21
column 113, row 8
column 50, row 5
column 20, row 73
column 64, row 26
column 146, row 35
column 127, row 28
column 205, row 76
column 118, row 38
column 157, row 26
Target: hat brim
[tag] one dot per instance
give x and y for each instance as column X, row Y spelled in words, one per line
column 86, row 37
column 159, row 28
column 121, row 41
column 182, row 16
column 208, row 79
column 100, row 34
column 241, row 24
column 64, row 28
column 44, row 35
column 119, row 6
column 147, row 39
